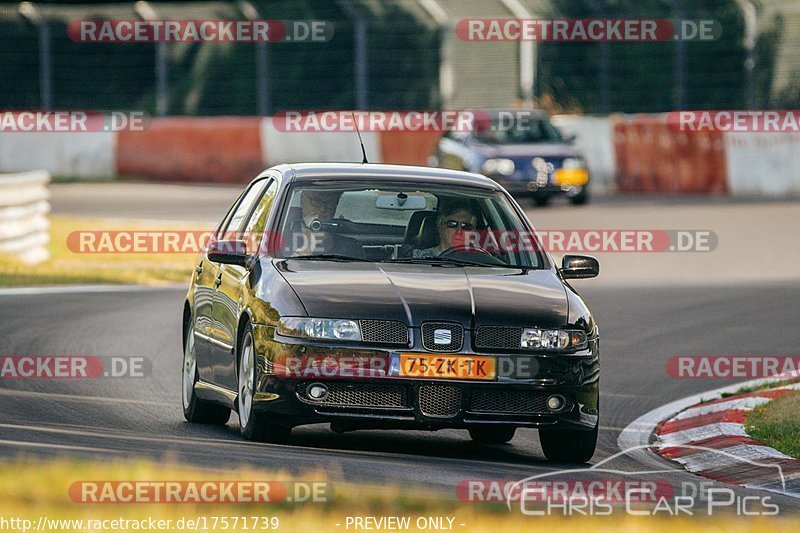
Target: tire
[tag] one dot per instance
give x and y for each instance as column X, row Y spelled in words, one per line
column 580, row 199
column 541, row 201
column 194, row 409
column 253, row 425
column 568, row 445
column 492, row 435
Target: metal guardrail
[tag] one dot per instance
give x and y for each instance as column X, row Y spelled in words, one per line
column 24, row 205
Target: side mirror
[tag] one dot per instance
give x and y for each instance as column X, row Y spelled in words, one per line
column 579, row 267
column 570, row 139
column 229, row 252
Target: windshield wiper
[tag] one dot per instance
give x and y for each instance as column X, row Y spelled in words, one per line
column 331, row 257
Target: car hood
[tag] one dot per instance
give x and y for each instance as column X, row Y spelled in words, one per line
column 544, row 150
column 472, row 296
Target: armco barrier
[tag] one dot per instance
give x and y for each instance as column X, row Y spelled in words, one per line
column 24, row 228
column 313, row 147
column 763, row 164
column 193, row 149
column 627, row 153
column 79, row 154
column 594, row 137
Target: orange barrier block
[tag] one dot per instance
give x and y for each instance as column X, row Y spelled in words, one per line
column 408, row 147
column 194, row 149
column 652, row 156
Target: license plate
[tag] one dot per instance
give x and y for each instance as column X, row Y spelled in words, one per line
column 444, row 366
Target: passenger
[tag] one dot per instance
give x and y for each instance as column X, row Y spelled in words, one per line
column 454, row 219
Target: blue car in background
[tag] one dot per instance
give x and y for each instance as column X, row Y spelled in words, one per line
column 521, row 150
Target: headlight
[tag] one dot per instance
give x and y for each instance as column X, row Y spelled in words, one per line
column 553, row 339
column 320, row 328
column 504, row 167
column 573, row 162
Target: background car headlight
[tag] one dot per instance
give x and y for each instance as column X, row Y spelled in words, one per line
column 553, row 339
column 504, row 167
column 320, row 328
column 573, row 162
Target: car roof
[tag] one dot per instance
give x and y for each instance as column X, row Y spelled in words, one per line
column 305, row 172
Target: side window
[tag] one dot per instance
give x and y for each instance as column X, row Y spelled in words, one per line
column 258, row 220
column 245, row 205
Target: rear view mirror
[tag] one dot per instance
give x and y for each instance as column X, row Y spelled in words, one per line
column 401, row 202
column 228, row 252
column 579, row 267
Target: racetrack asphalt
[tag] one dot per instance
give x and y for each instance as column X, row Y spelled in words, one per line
column 667, row 309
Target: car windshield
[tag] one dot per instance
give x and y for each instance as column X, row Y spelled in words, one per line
column 511, row 129
column 404, row 223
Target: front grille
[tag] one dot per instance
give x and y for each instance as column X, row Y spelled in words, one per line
column 442, row 331
column 439, row 400
column 358, row 395
column 499, row 337
column 384, row 331
column 512, row 401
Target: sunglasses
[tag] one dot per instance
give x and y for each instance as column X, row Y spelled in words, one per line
column 452, row 224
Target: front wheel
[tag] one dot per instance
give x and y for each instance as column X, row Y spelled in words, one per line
column 252, row 425
column 568, row 445
column 194, row 409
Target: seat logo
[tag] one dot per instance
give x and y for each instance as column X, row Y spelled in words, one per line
column 442, row 336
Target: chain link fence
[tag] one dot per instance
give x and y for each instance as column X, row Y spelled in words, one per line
column 401, row 54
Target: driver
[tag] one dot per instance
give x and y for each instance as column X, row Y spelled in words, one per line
column 321, row 205
column 453, row 221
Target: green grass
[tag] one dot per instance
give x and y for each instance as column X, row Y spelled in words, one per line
column 68, row 267
column 30, row 488
column 751, row 388
column 777, row 424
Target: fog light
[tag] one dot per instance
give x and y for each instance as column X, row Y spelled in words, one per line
column 317, row 391
column 555, row 402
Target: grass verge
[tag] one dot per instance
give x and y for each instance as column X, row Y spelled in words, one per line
column 777, row 424
column 68, row 267
column 33, row 488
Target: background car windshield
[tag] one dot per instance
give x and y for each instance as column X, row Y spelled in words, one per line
column 511, row 130
column 396, row 221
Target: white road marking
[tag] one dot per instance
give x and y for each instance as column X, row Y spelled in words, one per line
column 695, row 434
column 742, row 404
column 80, row 289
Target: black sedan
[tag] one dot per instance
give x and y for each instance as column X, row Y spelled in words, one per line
column 376, row 296
column 521, row 150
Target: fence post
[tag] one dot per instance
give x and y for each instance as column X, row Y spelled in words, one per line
column 750, row 16
column 360, row 52
column 146, row 11
column 263, row 107
column 680, row 59
column 29, row 11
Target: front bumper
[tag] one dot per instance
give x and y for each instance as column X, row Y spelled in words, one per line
column 363, row 396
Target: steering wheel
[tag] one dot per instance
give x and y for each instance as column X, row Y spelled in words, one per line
column 455, row 251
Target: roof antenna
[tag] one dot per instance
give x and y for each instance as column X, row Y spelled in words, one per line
column 360, row 140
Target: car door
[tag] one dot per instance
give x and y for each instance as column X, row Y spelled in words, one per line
column 205, row 277
column 230, row 284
